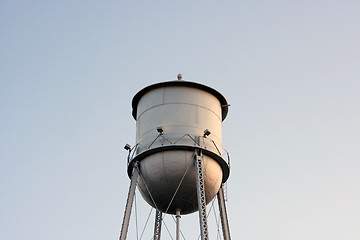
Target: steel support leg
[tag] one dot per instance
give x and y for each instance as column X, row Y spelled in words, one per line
column 178, row 216
column 157, row 228
column 129, row 202
column 201, row 195
column 223, row 214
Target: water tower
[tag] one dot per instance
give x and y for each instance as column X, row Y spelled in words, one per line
column 178, row 162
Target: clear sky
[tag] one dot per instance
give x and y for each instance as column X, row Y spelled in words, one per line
column 289, row 69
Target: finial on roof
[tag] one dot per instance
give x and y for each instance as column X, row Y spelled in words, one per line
column 179, row 76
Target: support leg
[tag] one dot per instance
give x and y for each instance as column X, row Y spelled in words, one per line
column 201, row 195
column 157, row 229
column 129, row 203
column 178, row 224
column 223, row 214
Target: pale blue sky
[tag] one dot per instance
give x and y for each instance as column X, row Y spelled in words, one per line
column 289, row 69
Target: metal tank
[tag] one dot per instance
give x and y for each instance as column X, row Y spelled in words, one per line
column 174, row 120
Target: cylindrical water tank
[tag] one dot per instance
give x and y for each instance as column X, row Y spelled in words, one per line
column 173, row 119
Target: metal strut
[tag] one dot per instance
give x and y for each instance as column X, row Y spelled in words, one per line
column 201, row 194
column 223, row 214
column 129, row 202
column 157, row 228
column 178, row 216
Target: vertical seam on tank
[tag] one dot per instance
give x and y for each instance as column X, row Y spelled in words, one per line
column 163, row 165
column 163, row 96
column 197, row 116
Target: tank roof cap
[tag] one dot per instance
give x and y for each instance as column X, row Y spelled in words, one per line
column 141, row 93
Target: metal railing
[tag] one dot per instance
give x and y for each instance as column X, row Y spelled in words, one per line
column 204, row 143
